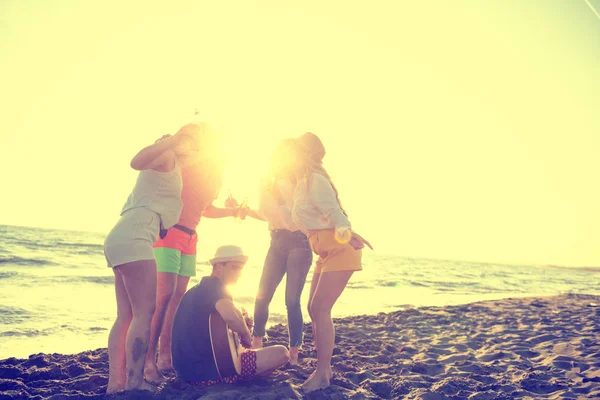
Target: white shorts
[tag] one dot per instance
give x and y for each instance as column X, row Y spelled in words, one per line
column 132, row 237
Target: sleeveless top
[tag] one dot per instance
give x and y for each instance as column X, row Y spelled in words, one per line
column 159, row 192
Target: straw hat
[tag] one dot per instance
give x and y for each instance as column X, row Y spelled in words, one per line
column 229, row 253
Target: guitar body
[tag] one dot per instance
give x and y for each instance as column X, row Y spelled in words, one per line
column 225, row 346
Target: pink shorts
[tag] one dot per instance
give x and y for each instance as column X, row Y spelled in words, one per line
column 248, row 359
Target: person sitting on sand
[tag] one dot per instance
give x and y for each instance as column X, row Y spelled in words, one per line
column 318, row 212
column 176, row 252
column 154, row 204
column 289, row 253
column 191, row 349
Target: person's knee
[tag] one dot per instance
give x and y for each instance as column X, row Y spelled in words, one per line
column 178, row 293
column 292, row 302
column 282, row 354
column 124, row 316
column 309, row 309
column 176, row 298
column 163, row 299
column 180, row 288
column 263, row 299
column 145, row 312
column 316, row 308
column 165, row 286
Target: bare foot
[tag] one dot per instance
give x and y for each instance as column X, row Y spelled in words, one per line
column 164, row 364
column 152, row 374
column 257, row 342
column 114, row 387
column 146, row 386
column 317, row 382
column 139, row 384
column 294, row 355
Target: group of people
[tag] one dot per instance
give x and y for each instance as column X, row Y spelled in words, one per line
column 160, row 324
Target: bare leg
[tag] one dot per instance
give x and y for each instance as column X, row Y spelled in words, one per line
column 294, row 350
column 313, row 288
column 165, row 287
column 270, row 358
column 117, row 375
column 139, row 278
column 257, row 342
column 330, row 287
column 164, row 349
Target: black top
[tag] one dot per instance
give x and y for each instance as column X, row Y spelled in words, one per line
column 190, row 339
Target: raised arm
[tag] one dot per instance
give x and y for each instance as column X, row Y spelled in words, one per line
column 256, row 215
column 160, row 156
column 216, row 212
column 235, row 319
column 232, row 208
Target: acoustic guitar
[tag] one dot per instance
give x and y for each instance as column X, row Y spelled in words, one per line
column 225, row 346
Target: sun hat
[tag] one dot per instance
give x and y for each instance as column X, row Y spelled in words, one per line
column 229, row 253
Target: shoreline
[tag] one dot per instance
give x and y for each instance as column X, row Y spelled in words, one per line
column 532, row 347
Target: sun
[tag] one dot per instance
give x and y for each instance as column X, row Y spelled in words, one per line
column 246, row 163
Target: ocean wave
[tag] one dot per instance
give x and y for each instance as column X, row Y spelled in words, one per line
column 57, row 329
column 104, row 280
column 97, row 328
column 573, row 269
column 358, row 286
column 244, row 299
column 8, row 274
column 87, row 245
column 24, row 261
column 412, row 283
column 276, row 318
column 28, row 332
column 41, row 244
column 66, row 279
column 30, row 244
column 13, row 315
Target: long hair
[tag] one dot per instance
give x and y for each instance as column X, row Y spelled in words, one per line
column 319, row 169
column 311, row 152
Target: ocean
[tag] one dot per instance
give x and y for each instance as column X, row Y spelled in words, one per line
column 57, row 295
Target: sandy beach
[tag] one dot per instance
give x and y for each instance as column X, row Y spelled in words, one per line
column 530, row 348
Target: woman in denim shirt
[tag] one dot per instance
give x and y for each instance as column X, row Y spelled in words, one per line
column 318, row 212
column 289, row 253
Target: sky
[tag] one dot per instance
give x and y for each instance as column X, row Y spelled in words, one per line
column 460, row 130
